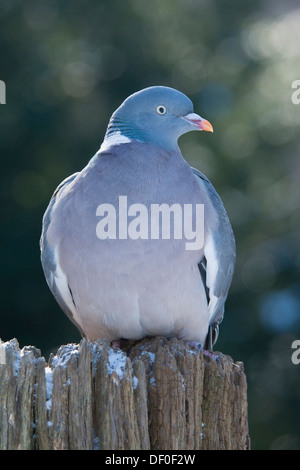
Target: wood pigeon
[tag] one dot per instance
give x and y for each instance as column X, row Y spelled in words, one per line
column 138, row 243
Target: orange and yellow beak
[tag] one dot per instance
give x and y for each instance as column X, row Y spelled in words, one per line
column 199, row 122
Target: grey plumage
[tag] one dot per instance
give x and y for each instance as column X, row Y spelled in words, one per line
column 224, row 247
column 131, row 288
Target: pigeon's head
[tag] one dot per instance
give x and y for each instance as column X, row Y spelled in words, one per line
column 157, row 114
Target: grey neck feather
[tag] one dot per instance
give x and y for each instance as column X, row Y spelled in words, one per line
column 116, row 125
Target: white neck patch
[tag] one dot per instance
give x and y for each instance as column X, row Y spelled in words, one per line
column 116, row 138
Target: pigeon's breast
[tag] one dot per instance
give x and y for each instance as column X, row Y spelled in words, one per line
column 133, row 237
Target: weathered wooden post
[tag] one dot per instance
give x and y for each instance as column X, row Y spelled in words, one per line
column 158, row 395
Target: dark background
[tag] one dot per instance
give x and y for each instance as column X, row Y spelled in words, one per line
column 68, row 64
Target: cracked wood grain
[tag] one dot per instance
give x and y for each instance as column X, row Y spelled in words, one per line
column 157, row 394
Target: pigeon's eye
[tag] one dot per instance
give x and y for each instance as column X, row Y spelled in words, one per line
column 161, row 109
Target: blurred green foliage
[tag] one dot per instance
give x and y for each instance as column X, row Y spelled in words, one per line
column 68, row 65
